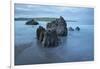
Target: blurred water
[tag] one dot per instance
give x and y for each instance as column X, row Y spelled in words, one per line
column 26, row 33
column 77, row 46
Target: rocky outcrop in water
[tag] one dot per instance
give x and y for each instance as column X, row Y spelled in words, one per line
column 77, row 28
column 32, row 22
column 70, row 29
column 50, row 39
column 40, row 33
column 59, row 25
column 49, row 36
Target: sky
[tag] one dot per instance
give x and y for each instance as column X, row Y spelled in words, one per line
column 69, row 13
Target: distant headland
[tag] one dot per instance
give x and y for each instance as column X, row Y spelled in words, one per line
column 40, row 19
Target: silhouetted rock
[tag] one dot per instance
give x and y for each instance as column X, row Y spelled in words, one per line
column 71, row 29
column 59, row 25
column 40, row 33
column 32, row 22
column 77, row 28
column 50, row 39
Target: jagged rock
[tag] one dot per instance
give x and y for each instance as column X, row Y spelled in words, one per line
column 59, row 25
column 71, row 29
column 40, row 33
column 50, row 38
column 32, row 22
column 54, row 29
column 77, row 28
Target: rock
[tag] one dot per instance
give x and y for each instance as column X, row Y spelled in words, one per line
column 50, row 39
column 71, row 29
column 77, row 28
column 59, row 25
column 40, row 33
column 54, row 29
column 32, row 22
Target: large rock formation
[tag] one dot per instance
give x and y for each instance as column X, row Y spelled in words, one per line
column 54, row 29
column 32, row 22
column 59, row 25
column 50, row 39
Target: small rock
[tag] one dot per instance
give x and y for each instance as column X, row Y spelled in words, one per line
column 71, row 29
column 77, row 28
column 32, row 22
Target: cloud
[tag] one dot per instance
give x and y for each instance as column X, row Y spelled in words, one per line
column 52, row 11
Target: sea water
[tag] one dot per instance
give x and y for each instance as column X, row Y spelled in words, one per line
column 77, row 46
